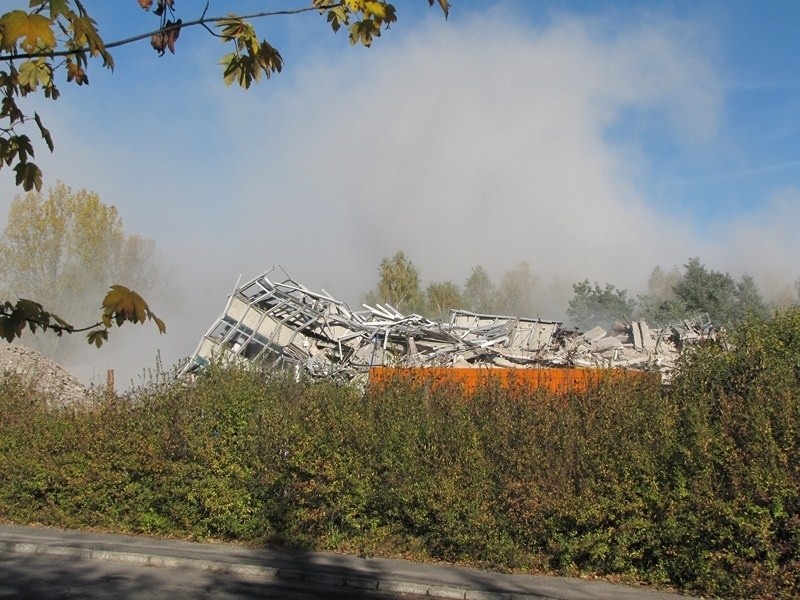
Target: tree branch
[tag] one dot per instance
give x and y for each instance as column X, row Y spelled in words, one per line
column 4, row 312
column 203, row 20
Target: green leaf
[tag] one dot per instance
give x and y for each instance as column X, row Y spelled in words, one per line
column 58, row 7
column 8, row 330
column 269, row 59
column 29, row 176
column 15, row 317
column 10, row 110
column 232, row 70
column 235, row 28
column 22, row 145
column 28, row 309
column 97, row 337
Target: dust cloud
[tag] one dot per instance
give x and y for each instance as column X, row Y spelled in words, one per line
column 477, row 142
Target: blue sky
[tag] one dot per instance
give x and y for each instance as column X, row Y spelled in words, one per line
column 591, row 139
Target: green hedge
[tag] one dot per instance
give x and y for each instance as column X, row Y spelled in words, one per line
column 694, row 486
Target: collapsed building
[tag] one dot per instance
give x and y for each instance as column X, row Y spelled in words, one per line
column 284, row 325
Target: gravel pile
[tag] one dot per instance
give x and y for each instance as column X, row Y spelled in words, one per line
column 43, row 376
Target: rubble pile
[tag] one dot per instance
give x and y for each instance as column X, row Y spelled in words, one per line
column 285, row 325
column 41, row 375
column 635, row 345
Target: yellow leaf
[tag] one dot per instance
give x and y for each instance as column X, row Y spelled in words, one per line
column 162, row 328
column 120, row 303
column 34, row 72
column 140, row 308
column 114, row 297
column 376, row 9
column 32, row 30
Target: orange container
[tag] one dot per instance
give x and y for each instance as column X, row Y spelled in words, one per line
column 559, row 381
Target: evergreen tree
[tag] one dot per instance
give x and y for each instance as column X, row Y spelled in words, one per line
column 594, row 305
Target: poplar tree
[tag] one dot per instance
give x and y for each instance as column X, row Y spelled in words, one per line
column 65, row 249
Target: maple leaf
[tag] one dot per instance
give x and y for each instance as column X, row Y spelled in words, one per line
column 122, row 304
column 97, row 337
column 31, row 29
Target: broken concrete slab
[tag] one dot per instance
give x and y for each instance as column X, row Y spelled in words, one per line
column 595, row 333
column 602, row 344
column 284, row 325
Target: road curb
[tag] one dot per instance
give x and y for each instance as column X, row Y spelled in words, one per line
column 273, row 573
column 322, row 571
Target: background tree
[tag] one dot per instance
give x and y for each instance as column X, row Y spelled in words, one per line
column 66, row 249
column 725, row 300
column 661, row 305
column 479, row 292
column 697, row 290
column 440, row 297
column 515, row 294
column 398, row 284
column 591, row 306
column 704, row 290
column 749, row 301
column 61, row 35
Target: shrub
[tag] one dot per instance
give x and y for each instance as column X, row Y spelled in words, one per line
column 695, row 486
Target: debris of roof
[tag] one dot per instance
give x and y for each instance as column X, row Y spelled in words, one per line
column 284, row 325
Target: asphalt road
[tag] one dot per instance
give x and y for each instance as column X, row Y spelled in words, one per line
column 52, row 576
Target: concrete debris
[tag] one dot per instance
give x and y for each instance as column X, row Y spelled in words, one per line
column 42, row 377
column 284, row 325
